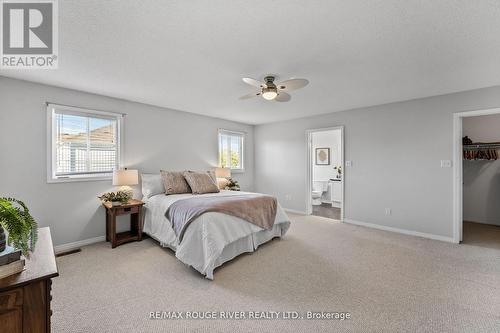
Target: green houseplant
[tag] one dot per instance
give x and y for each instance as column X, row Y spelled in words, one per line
column 17, row 220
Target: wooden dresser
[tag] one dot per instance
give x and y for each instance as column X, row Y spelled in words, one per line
column 25, row 297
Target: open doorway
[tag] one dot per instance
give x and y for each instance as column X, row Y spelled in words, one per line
column 325, row 172
column 477, row 178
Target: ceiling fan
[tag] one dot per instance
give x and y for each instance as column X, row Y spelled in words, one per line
column 274, row 91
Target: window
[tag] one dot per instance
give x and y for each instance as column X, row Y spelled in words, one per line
column 231, row 150
column 82, row 144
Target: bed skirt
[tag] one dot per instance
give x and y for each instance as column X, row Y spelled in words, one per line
column 246, row 245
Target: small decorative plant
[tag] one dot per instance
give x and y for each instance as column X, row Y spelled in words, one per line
column 117, row 198
column 339, row 170
column 232, row 185
column 17, row 220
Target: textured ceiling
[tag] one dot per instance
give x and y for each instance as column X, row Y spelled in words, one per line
column 191, row 55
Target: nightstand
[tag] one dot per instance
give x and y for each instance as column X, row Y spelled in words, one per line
column 132, row 208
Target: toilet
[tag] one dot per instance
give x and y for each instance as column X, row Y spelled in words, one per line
column 317, row 191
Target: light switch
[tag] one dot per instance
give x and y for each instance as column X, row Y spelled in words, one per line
column 348, row 163
column 445, row 164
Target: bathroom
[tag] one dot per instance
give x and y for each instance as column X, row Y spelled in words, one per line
column 327, row 173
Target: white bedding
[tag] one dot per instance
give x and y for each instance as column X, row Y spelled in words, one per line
column 211, row 239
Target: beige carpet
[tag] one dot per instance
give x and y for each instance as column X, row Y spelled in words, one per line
column 484, row 235
column 388, row 282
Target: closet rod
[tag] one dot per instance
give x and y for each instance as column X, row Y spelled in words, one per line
column 492, row 145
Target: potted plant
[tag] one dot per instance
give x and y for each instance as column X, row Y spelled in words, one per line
column 21, row 227
column 232, row 185
column 339, row 171
column 3, row 240
column 116, row 198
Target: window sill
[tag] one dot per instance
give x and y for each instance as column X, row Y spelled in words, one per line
column 237, row 170
column 73, row 179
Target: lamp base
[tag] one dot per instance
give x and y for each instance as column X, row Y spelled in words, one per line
column 125, row 188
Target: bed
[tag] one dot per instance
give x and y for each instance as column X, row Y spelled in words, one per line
column 212, row 238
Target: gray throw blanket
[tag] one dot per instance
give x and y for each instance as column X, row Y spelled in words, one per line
column 257, row 209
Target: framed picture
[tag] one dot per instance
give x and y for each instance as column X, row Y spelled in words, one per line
column 322, row 156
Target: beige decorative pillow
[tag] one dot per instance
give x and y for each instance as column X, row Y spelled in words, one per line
column 211, row 173
column 174, row 182
column 201, row 182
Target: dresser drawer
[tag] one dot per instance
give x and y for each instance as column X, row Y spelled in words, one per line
column 127, row 210
column 11, row 299
column 11, row 311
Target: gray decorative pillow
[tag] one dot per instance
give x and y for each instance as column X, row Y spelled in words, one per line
column 174, row 182
column 201, row 182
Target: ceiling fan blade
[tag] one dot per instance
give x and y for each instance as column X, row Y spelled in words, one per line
column 254, row 82
column 292, row 84
column 283, row 97
column 250, row 95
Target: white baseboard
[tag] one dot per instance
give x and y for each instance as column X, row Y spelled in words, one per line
column 293, row 211
column 401, row 231
column 71, row 246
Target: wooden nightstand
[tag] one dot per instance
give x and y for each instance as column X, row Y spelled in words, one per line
column 132, row 208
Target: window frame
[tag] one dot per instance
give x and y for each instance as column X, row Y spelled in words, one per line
column 222, row 131
column 52, row 109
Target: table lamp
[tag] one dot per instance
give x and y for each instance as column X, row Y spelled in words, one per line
column 125, row 178
column 223, row 173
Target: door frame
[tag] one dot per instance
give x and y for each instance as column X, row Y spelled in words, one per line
column 458, row 168
column 310, row 160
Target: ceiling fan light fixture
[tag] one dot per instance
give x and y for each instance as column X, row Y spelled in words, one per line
column 269, row 93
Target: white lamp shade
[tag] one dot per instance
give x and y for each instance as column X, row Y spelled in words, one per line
column 125, row 177
column 223, row 173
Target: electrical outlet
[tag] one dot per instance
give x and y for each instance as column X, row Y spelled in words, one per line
column 388, row 211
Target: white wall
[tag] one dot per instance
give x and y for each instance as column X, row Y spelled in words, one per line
column 395, row 150
column 155, row 138
column 326, row 139
column 481, row 189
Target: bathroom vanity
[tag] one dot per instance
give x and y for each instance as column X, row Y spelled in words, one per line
column 334, row 193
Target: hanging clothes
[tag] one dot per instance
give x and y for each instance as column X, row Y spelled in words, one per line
column 484, row 151
column 480, row 154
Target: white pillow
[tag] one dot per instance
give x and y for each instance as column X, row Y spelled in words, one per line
column 151, row 185
column 222, row 183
